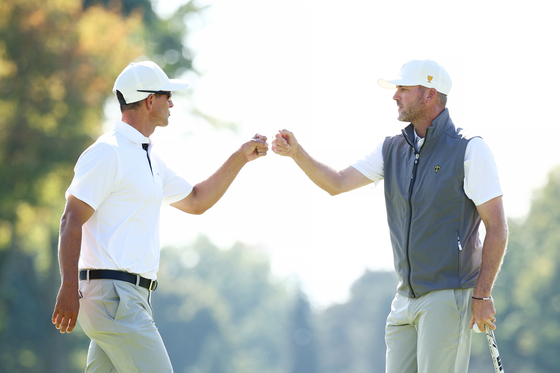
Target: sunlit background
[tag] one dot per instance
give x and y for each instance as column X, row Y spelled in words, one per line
column 230, row 297
column 313, row 69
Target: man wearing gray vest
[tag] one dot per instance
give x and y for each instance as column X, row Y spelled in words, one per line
column 439, row 185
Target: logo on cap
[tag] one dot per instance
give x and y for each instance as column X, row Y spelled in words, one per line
column 430, row 78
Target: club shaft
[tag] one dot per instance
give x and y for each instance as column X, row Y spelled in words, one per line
column 493, row 345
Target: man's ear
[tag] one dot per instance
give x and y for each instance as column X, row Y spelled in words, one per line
column 432, row 93
column 149, row 102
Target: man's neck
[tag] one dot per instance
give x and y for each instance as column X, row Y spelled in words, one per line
column 421, row 126
column 138, row 122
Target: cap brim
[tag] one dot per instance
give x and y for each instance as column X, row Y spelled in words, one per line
column 175, row 85
column 393, row 83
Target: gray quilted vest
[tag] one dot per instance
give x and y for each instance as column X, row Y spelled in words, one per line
column 433, row 224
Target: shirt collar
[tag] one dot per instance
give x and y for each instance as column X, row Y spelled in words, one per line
column 419, row 141
column 130, row 133
column 439, row 125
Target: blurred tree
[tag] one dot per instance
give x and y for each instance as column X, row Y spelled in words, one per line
column 164, row 38
column 526, row 296
column 304, row 338
column 353, row 333
column 58, row 62
column 221, row 310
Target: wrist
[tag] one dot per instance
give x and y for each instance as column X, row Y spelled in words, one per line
column 298, row 153
column 240, row 156
column 482, row 298
column 69, row 281
column 482, row 290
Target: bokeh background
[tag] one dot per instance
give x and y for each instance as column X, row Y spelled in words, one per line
column 278, row 276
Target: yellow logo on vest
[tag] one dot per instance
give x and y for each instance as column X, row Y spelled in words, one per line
column 430, row 78
column 437, row 168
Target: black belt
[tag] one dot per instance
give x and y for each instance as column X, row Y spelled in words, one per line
column 109, row 274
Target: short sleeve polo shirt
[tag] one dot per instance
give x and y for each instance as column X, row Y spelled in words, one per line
column 481, row 182
column 114, row 177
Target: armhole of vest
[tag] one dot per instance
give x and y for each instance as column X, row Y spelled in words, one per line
column 384, row 147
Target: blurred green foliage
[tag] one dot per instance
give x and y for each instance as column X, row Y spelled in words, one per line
column 58, row 63
column 304, row 338
column 353, row 333
column 222, row 310
column 217, row 310
column 163, row 38
column 526, row 292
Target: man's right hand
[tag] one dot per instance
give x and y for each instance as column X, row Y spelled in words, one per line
column 332, row 181
column 66, row 308
column 285, row 144
column 76, row 213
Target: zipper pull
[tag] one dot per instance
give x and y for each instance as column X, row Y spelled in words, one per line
column 459, row 244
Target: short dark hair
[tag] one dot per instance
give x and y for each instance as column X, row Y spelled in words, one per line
column 442, row 98
column 124, row 105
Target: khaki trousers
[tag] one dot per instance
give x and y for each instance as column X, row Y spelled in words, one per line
column 118, row 318
column 430, row 334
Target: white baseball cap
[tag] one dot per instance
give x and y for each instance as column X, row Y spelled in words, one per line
column 140, row 79
column 425, row 73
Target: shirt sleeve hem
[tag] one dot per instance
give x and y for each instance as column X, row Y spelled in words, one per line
column 81, row 198
column 482, row 201
column 178, row 197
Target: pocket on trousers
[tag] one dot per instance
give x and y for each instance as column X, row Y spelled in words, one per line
column 462, row 300
column 129, row 300
column 111, row 298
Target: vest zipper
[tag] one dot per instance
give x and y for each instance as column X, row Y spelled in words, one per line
column 410, row 189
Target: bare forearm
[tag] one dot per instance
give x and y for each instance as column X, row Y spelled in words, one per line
column 493, row 252
column 206, row 193
column 322, row 175
column 209, row 191
column 67, row 304
column 332, row 181
column 69, row 247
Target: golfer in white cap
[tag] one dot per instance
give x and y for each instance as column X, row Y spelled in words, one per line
column 109, row 232
column 439, row 185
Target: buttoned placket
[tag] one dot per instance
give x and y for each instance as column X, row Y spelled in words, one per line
column 145, row 147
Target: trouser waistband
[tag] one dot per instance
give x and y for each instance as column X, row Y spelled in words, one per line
column 109, row 274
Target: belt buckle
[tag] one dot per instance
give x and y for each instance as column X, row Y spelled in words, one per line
column 153, row 285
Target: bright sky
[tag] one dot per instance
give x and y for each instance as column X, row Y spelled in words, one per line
column 312, row 67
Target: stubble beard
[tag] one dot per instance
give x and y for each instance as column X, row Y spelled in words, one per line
column 415, row 111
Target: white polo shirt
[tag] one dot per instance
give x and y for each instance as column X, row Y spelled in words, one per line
column 481, row 182
column 113, row 176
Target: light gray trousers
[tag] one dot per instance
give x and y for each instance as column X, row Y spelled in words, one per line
column 430, row 334
column 118, row 318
